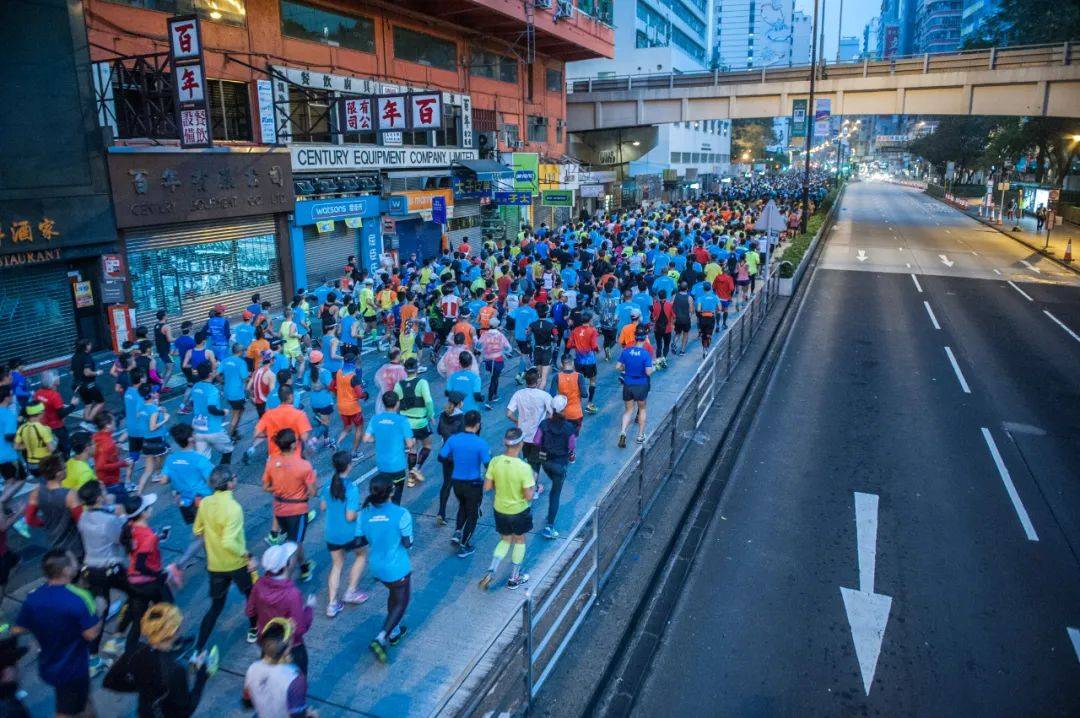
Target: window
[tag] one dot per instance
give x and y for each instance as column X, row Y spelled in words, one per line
column 416, row 137
column 558, row 131
column 230, row 111
column 424, row 49
column 688, row 45
column 309, row 115
column 493, row 66
column 458, row 223
column 448, row 135
column 166, row 278
column 511, row 134
column 226, row 12
column 675, row 156
column 538, row 129
column 305, row 22
column 554, row 81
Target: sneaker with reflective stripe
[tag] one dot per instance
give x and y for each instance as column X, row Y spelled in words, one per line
column 395, row 638
column 356, row 597
column 550, row 532
column 521, row 579
column 485, row 581
column 379, row 650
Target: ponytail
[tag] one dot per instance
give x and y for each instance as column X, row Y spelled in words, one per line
column 381, row 489
column 342, row 461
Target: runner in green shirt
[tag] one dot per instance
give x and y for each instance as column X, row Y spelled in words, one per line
column 512, row 479
column 418, row 407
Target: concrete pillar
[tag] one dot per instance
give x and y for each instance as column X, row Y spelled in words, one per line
column 684, row 109
column 967, row 95
column 900, row 101
column 639, row 112
column 598, row 115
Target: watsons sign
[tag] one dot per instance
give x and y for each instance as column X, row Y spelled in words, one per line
column 321, row 159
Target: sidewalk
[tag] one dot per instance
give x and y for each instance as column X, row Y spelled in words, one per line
column 1027, row 235
column 450, row 620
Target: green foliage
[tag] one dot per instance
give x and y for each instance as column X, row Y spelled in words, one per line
column 801, row 242
column 750, row 137
column 956, row 139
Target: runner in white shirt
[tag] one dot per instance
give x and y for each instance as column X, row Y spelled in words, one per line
column 527, row 408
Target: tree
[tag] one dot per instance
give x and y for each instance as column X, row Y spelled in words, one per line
column 962, row 140
column 1052, row 141
column 750, row 137
column 1028, row 22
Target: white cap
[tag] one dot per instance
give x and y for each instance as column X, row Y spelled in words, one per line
column 559, row 403
column 275, row 558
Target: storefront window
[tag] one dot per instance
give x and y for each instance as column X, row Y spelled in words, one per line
column 166, row 278
column 424, row 49
column 447, row 135
column 493, row 66
column 455, row 224
column 309, row 115
column 230, row 112
column 227, row 12
column 333, row 28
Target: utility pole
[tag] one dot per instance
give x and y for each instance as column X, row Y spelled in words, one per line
column 809, row 122
column 839, row 27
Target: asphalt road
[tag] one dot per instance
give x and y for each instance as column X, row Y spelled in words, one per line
column 937, row 406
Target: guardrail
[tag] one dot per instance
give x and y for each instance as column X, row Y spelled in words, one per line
column 516, row 663
column 993, row 58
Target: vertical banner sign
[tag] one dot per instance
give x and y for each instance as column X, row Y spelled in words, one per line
column 466, row 121
column 356, row 115
column 391, row 109
column 798, row 118
column 822, row 110
column 189, row 83
column 425, row 110
column 438, row 210
column 266, row 112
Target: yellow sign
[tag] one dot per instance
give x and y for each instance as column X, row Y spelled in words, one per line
column 22, row 230
column 84, row 294
column 420, row 200
column 549, row 177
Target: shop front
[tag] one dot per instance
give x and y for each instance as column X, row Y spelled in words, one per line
column 325, row 232
column 201, row 228
column 476, row 217
column 410, row 228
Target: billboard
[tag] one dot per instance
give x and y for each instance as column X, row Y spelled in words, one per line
column 798, row 118
column 822, row 110
column 890, row 47
column 773, row 32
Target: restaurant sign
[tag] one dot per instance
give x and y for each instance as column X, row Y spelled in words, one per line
column 151, row 188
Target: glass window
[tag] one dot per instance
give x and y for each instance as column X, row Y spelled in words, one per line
column 493, row 66
column 511, row 132
column 227, row 12
column 230, row 111
column 333, row 28
column 674, row 158
column 424, row 49
column 309, row 115
column 448, row 134
column 554, row 81
column 166, row 278
column 558, row 132
column 538, row 129
column 416, row 137
column 458, row 223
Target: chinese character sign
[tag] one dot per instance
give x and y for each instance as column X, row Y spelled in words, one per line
column 194, row 128
column 357, row 115
column 426, row 111
column 186, row 44
column 391, row 111
column 190, row 87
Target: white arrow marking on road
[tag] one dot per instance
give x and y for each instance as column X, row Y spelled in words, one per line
column 997, row 271
column 946, row 261
column 867, row 612
column 862, row 256
column 1074, row 636
column 1029, row 266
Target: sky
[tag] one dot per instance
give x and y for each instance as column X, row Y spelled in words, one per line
column 856, row 14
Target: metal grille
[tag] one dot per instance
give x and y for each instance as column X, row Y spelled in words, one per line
column 37, row 312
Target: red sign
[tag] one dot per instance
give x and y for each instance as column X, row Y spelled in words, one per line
column 426, row 111
column 184, row 38
column 185, row 59
column 892, row 41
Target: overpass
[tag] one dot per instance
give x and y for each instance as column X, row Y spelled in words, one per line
column 1033, row 80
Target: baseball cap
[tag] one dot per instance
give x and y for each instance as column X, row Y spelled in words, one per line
column 136, row 505
column 641, row 333
column 559, row 403
column 247, row 314
column 316, row 356
column 276, row 558
column 34, row 409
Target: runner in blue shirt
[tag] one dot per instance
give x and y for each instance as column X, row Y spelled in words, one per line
column 469, row 455
column 341, row 507
column 9, row 424
column 467, row 382
column 234, row 373
column 706, row 307
column 523, row 317
column 636, row 365
column 188, row 473
column 393, row 437
column 387, row 530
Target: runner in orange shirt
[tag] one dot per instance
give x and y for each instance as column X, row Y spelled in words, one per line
column 285, row 416
column 291, row 481
column 349, row 390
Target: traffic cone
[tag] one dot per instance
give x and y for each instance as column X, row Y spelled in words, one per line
column 1068, row 251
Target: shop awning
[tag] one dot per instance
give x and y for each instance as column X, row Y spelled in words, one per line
column 486, row 169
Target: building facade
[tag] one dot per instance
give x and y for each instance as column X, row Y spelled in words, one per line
column 755, row 33
column 975, row 14
column 848, row 49
column 938, row 25
column 871, row 39
column 338, row 129
column 801, row 30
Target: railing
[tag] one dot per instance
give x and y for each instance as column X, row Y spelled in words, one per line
column 995, row 58
column 512, row 669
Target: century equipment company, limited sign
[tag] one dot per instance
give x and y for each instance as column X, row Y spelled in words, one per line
column 322, row 158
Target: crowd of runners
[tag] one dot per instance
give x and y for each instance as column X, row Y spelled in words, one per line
column 530, row 319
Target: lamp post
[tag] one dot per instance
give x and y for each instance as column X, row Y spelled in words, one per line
column 809, row 122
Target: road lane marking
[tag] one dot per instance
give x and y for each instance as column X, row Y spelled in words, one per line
column 956, row 368
column 1030, row 266
column 907, row 265
column 867, row 612
column 975, row 253
column 917, row 285
column 1010, row 488
column 1062, row 325
column 933, row 319
column 946, row 261
column 1022, row 292
column 1074, row 636
column 997, row 272
column 862, row 256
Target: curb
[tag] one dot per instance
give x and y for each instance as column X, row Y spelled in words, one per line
column 1032, row 247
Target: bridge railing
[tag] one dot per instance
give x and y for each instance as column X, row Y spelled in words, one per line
column 994, row 58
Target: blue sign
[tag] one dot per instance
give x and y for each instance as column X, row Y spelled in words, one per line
column 330, row 209
column 398, row 205
column 465, row 188
column 438, row 210
column 525, row 176
column 518, row 199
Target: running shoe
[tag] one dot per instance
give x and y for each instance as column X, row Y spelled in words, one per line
column 274, row 539
column 395, row 638
column 519, row 378
column 440, row 521
column 591, row 408
column 311, row 515
column 622, row 441
column 417, row 475
column 252, row 635
column 376, row 646
column 485, row 581
column 456, row 538
column 466, row 550
column 550, row 532
column 114, row 609
column 307, row 570
column 539, row 489
column 184, row 409
column 334, row 608
column 488, row 406
column 213, row 660
column 356, row 597
column 640, row 439
column 512, row 583
column 421, row 369
column 175, row 575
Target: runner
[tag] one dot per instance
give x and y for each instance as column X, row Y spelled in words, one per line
column 636, row 366
column 320, row 398
column 393, row 437
column 291, row 481
column 706, row 307
column 273, row 685
column 557, row 438
column 234, row 373
column 348, row 388
column 84, row 374
column 583, row 342
column 100, row 527
column 417, row 406
column 466, row 381
column 571, row 385
column 341, row 506
column 542, row 334
column 493, row 349
column 156, row 675
column 724, row 286
column 263, row 381
column 153, row 422
column 33, row 438
column 275, row 596
column 683, row 308
column 188, row 473
column 387, row 529
column 451, row 421
column 469, row 455
column 512, row 480
column 527, row 408
column 208, row 417
column 163, row 341
column 283, row 416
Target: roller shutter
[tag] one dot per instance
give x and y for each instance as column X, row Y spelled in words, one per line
column 465, row 225
column 37, row 309
column 212, row 263
column 325, row 253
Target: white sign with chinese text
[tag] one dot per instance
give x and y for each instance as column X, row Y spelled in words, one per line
column 426, row 111
column 266, row 112
column 357, row 114
column 391, row 113
column 190, row 83
column 392, row 139
column 184, row 38
column 194, row 127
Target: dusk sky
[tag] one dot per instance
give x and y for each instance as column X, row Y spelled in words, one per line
column 856, row 14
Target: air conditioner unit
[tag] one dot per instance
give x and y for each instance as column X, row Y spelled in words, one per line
column 542, row 4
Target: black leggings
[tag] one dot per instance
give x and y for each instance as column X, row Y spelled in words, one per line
column 663, row 343
column 396, row 602
column 447, row 484
column 469, row 495
column 100, row 582
column 495, row 367
column 219, row 592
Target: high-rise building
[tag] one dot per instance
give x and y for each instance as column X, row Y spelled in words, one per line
column 753, row 33
column 848, row 49
column 801, row 29
column 898, row 27
column 975, row 14
column 937, row 25
column 871, row 47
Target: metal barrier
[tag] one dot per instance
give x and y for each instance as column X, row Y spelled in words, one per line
column 514, row 666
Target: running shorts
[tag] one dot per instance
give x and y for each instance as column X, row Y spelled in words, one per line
column 635, row 392
column 542, row 356
column 295, row 527
column 514, row 524
column 586, row 370
column 356, row 419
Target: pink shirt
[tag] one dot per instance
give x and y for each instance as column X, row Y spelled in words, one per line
column 493, row 344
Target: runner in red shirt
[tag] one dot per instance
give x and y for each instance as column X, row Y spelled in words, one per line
column 291, row 481
column 724, row 286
